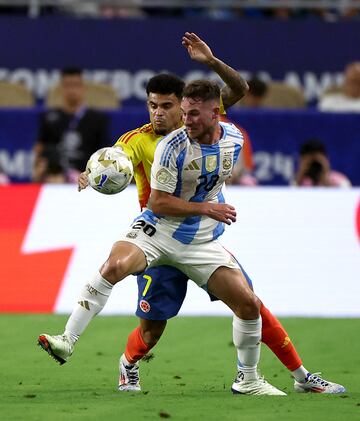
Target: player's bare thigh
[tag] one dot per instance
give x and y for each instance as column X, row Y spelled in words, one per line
column 231, row 287
column 125, row 258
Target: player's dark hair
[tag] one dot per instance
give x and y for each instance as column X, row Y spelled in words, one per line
column 165, row 84
column 204, row 90
column 71, row 71
column 257, row 87
column 312, row 146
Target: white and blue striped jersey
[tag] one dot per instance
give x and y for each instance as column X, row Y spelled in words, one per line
column 196, row 173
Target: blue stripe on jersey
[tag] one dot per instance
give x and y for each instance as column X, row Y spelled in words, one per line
column 220, row 227
column 149, row 216
column 233, row 132
column 220, row 197
column 187, row 230
column 218, row 230
column 170, row 147
column 206, row 177
column 180, row 164
column 237, row 149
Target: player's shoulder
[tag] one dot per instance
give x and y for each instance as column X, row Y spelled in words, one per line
column 174, row 140
column 132, row 136
column 233, row 132
column 172, row 145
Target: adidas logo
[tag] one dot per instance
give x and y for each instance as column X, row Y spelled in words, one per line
column 84, row 304
column 192, row 166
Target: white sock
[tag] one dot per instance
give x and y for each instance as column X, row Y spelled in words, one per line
column 247, row 340
column 300, row 374
column 91, row 301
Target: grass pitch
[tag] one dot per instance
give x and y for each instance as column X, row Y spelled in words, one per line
column 189, row 377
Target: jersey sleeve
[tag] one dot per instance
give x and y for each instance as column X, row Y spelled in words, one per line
column 130, row 143
column 164, row 171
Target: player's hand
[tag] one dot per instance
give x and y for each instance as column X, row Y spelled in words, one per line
column 198, row 50
column 83, row 181
column 221, row 212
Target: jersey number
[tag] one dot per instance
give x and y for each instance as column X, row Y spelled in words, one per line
column 147, row 286
column 147, row 228
column 207, row 182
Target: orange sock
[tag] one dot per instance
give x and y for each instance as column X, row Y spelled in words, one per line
column 277, row 339
column 136, row 348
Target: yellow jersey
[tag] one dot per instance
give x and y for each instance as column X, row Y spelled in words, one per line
column 140, row 145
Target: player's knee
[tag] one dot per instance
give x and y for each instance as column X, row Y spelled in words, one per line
column 249, row 308
column 114, row 269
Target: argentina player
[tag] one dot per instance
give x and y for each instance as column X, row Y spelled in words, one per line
column 186, row 216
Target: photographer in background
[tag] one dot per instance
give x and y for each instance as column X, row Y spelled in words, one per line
column 314, row 167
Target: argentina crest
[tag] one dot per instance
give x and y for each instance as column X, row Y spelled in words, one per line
column 227, row 162
column 210, row 163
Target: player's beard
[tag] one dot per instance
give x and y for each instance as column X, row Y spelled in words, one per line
column 161, row 132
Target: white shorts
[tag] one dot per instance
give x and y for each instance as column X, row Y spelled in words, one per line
column 197, row 261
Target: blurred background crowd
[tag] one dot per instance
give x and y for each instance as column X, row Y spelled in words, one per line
column 328, row 10
column 78, row 114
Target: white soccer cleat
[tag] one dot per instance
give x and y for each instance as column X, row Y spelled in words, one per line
column 59, row 347
column 129, row 380
column 314, row 383
column 254, row 387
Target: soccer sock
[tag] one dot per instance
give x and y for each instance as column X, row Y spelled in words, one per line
column 300, row 374
column 136, row 348
column 91, row 301
column 246, row 337
column 277, row 339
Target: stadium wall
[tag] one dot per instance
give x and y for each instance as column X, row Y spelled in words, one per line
column 308, row 54
column 300, row 246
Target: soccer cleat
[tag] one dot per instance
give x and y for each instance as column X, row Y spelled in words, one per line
column 129, row 380
column 254, row 387
column 314, row 383
column 257, row 386
column 59, row 347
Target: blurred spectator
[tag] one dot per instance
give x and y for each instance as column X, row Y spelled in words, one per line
column 47, row 169
column 314, row 167
column 115, row 11
column 70, row 134
column 348, row 100
column 256, row 93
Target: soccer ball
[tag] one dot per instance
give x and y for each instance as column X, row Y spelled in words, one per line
column 109, row 170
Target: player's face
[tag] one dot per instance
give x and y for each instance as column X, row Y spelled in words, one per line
column 73, row 89
column 199, row 117
column 164, row 111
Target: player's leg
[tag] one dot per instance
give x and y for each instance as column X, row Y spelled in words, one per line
column 215, row 269
column 277, row 339
column 161, row 292
column 125, row 258
column 231, row 287
column 140, row 341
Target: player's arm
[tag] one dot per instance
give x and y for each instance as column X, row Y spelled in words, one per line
column 236, row 86
column 163, row 203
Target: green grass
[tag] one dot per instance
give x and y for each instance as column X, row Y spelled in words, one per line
column 189, row 377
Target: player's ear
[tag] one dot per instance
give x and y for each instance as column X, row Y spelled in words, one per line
column 216, row 112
